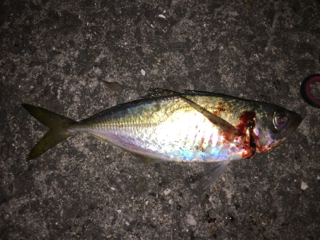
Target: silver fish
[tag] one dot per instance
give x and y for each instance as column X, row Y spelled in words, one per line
column 170, row 126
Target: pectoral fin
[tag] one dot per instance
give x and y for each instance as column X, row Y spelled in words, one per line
column 213, row 171
column 224, row 125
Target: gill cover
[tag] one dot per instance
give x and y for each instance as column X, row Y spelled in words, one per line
column 274, row 125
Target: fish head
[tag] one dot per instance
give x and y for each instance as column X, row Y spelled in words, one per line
column 273, row 125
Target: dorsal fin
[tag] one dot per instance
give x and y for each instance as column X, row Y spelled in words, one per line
column 159, row 92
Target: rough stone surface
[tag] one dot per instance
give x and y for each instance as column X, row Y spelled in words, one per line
column 60, row 54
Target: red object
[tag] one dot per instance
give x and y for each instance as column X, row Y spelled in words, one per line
column 305, row 90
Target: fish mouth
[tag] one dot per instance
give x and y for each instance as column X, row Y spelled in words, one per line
column 296, row 119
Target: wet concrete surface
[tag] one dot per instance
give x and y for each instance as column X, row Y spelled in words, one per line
column 59, row 54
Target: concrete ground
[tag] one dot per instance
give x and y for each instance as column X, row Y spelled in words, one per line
column 60, row 54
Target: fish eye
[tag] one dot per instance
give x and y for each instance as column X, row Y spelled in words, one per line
column 280, row 120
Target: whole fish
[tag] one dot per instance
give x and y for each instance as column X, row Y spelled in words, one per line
column 189, row 127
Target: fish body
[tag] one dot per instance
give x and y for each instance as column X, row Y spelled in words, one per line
column 170, row 129
column 170, row 126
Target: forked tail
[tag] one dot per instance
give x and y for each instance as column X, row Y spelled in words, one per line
column 58, row 129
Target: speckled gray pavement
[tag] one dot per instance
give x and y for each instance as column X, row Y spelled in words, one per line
column 57, row 54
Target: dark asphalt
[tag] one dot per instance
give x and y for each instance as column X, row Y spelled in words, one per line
column 58, row 55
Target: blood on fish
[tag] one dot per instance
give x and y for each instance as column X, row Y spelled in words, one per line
column 201, row 145
column 221, row 107
column 247, row 120
column 227, row 137
column 256, row 140
column 249, row 150
column 244, row 119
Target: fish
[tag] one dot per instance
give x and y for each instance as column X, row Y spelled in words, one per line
column 193, row 126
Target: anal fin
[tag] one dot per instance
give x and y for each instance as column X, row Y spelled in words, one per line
column 140, row 158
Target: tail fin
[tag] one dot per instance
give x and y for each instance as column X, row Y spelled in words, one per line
column 58, row 129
